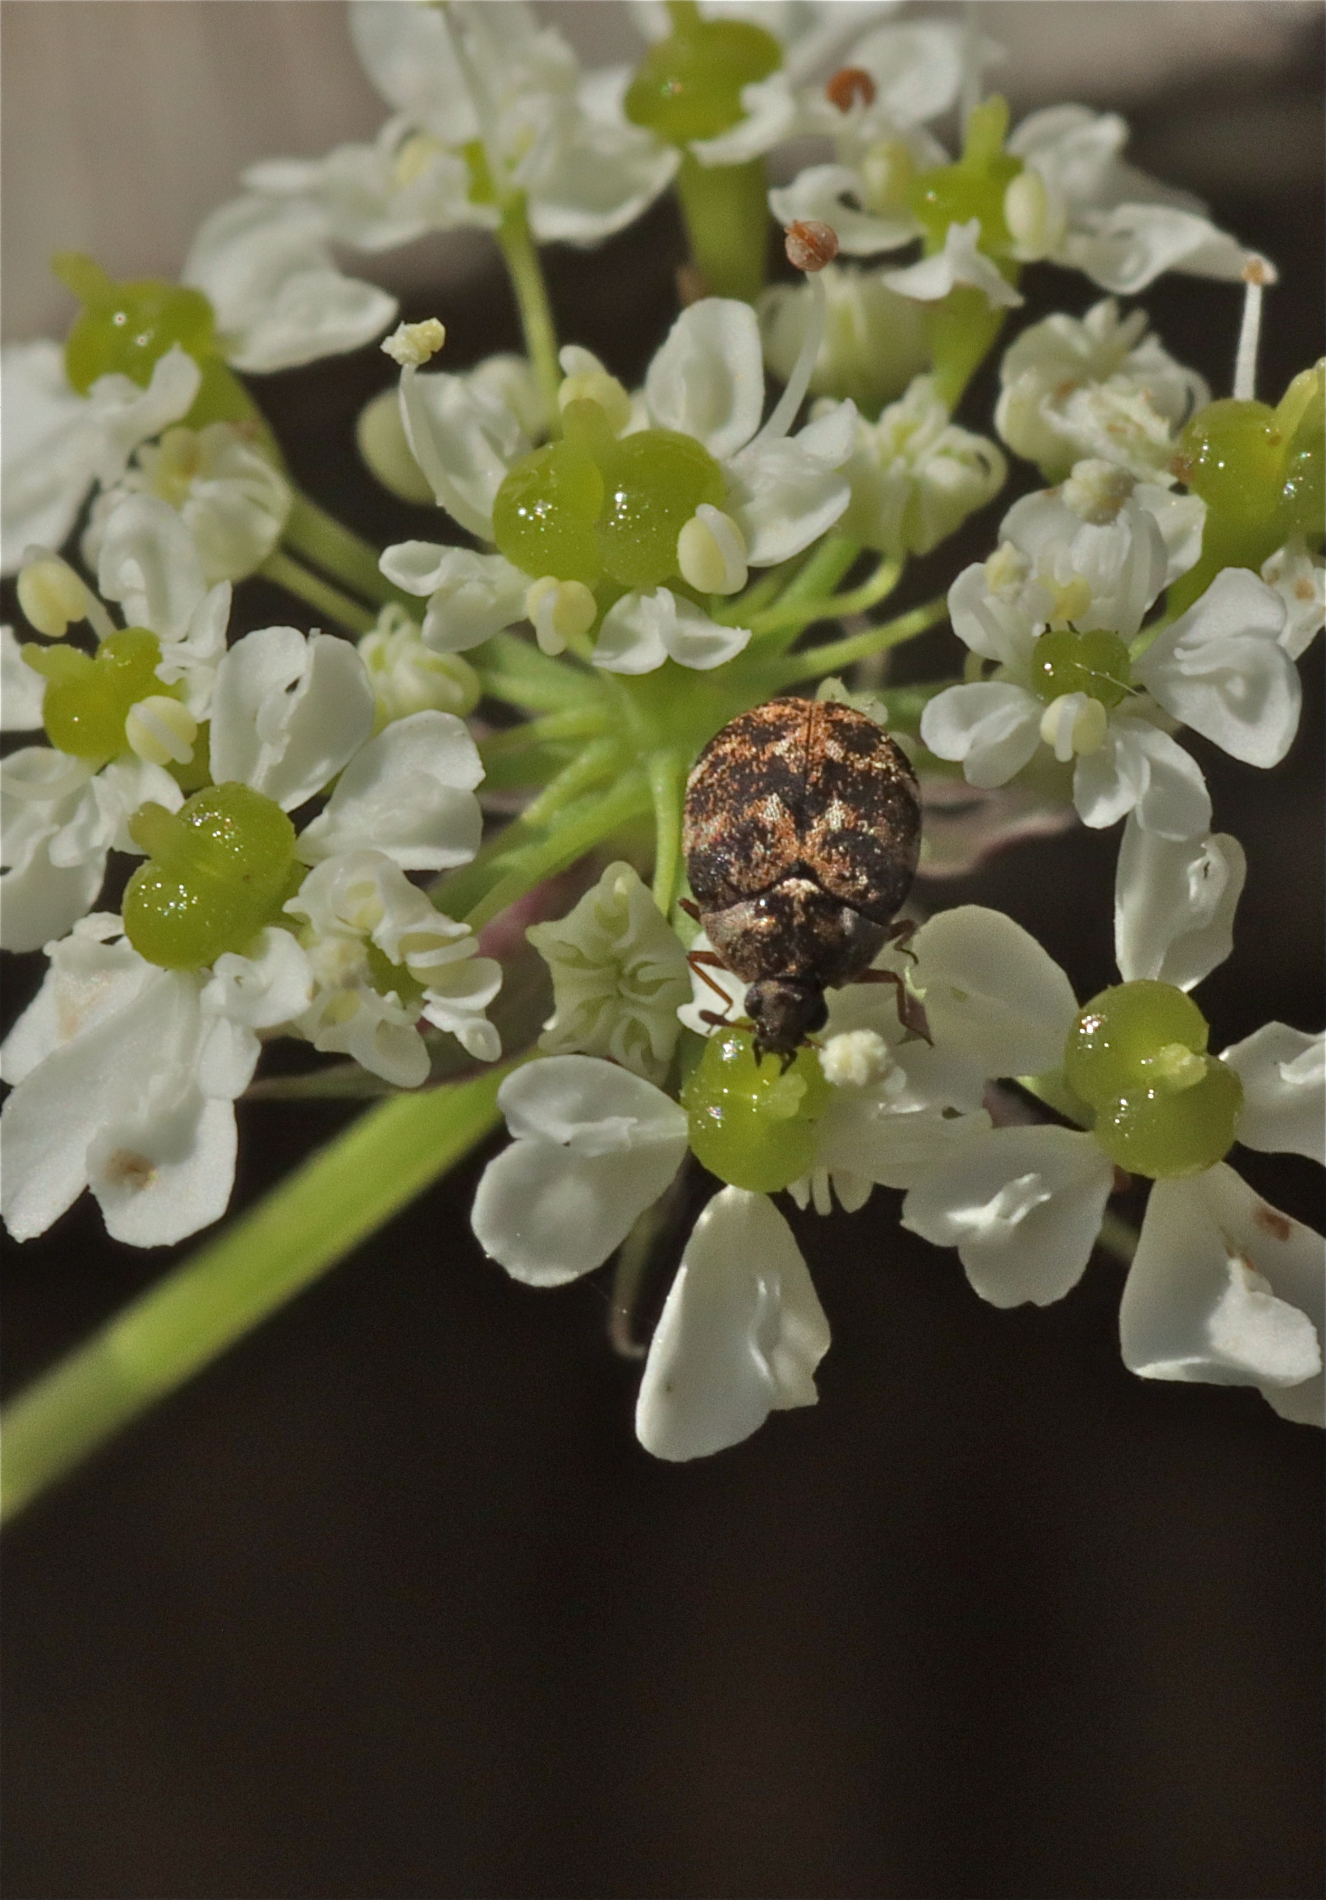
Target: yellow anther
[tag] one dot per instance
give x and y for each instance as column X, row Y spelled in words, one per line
column 52, row 596
column 412, row 344
column 161, row 731
column 856, row 1058
column 560, row 612
column 1074, row 724
column 596, row 385
column 711, row 552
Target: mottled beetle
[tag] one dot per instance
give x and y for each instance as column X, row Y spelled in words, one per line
column 802, row 829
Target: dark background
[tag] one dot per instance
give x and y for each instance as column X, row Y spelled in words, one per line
column 389, row 1602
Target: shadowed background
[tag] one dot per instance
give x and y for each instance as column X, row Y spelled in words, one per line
column 389, row 1602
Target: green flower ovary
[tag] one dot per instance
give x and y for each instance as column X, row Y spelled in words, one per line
column 591, row 505
column 88, row 700
column 218, row 871
column 1093, row 663
column 973, row 188
column 126, row 328
column 752, row 1123
column 688, row 86
column 1138, row 1055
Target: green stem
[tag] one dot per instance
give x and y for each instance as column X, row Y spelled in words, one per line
column 319, row 537
column 312, row 1220
column 307, row 586
column 528, row 864
column 576, row 724
column 815, row 662
column 516, row 671
column 536, row 318
column 818, row 578
column 667, row 786
column 594, row 761
column 727, row 221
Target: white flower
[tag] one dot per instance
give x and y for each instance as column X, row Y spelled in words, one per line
column 961, row 261
column 289, row 710
column 619, row 973
column 1174, row 904
column 409, row 677
column 707, row 381
column 58, row 443
column 1097, row 385
column 21, row 689
column 741, row 1332
column 233, row 501
column 1095, row 555
column 360, row 901
column 1223, row 1287
column 873, row 344
column 125, row 1077
column 916, row 476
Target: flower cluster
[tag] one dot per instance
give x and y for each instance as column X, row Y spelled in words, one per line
column 293, row 816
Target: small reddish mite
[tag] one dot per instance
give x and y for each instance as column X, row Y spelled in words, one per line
column 809, row 244
column 801, row 833
column 850, row 86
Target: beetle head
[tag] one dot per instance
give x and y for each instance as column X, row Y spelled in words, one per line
column 784, row 1013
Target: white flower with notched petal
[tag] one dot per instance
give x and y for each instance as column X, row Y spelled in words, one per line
column 742, row 1330
column 1223, row 1287
column 125, row 1077
column 1059, row 607
column 1095, row 386
column 1300, row 580
column 874, row 340
column 780, row 494
column 619, row 974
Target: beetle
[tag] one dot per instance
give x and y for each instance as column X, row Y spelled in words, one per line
column 801, row 833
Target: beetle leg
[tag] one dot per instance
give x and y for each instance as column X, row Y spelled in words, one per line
column 691, row 908
column 901, row 932
column 702, row 961
column 911, row 1014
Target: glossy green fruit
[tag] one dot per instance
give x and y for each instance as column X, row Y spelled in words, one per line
column 88, row 700
column 688, row 86
column 1120, row 1036
column 654, row 483
column 218, row 871
column 751, row 1124
column 1066, row 662
column 126, row 328
column 1163, row 1133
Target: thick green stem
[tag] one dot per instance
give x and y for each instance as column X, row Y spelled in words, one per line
column 306, row 1225
column 577, row 724
column 307, row 586
column 536, row 318
column 667, row 786
column 815, row 662
column 727, row 221
column 528, row 864
column 514, row 670
column 594, row 761
column 813, row 582
column 793, row 618
column 319, row 537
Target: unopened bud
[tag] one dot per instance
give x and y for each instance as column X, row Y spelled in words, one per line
column 560, row 611
column 850, row 86
column 51, row 596
column 1073, row 724
column 412, row 344
column 161, row 731
column 711, row 552
column 810, row 245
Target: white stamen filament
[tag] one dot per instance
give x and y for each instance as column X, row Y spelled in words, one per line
column 484, row 110
column 161, row 730
column 798, row 382
column 1245, row 359
column 711, row 552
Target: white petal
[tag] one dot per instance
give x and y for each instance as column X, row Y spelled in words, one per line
column 590, row 179
column 994, row 628
column 992, row 726
column 288, row 713
column 407, row 52
column 1127, row 248
column 632, row 634
column 708, row 378
column 267, row 987
column 48, row 447
column 88, row 978
column 1221, row 670
column 1139, row 768
column 549, row 1214
column 465, row 440
column 266, row 267
column 740, row 1335
column 149, row 564
column 1300, row 580
column 787, row 492
column 1283, row 1072
column 1229, row 1291
column 126, row 414
column 473, row 596
column 822, row 193
column 992, row 992
column 591, row 1106
column 865, row 1136
column 1174, row 904
column 960, row 262
column 409, row 792
column 1022, row 1206
column 163, row 1176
